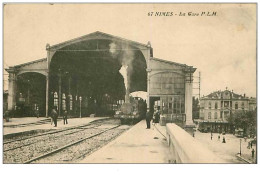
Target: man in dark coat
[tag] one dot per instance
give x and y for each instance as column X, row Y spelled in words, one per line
column 54, row 117
column 157, row 116
column 149, row 116
column 65, row 117
column 7, row 116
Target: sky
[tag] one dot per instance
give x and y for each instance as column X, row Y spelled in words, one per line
column 221, row 47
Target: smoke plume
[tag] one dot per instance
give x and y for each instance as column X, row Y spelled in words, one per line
column 126, row 56
column 123, row 72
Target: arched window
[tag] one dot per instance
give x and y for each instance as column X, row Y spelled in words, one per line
column 63, row 102
column 216, row 115
column 209, row 105
column 71, row 102
column 236, row 105
column 56, row 99
column 209, row 115
column 216, row 105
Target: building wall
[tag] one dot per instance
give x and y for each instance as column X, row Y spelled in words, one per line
column 168, row 83
column 207, row 108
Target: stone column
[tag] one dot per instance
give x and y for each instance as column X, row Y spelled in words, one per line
column 148, row 94
column 189, row 125
column 148, row 56
column 50, row 53
column 148, row 88
column 188, row 102
column 11, row 90
column 47, row 95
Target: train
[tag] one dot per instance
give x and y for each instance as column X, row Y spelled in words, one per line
column 132, row 112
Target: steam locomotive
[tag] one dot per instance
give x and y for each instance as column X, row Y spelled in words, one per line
column 132, row 112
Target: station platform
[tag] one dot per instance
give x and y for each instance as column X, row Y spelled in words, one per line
column 136, row 145
column 9, row 129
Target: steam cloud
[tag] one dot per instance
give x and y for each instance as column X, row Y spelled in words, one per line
column 123, row 72
column 126, row 58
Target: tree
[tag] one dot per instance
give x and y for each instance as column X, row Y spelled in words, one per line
column 245, row 120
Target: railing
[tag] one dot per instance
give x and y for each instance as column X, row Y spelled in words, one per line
column 186, row 149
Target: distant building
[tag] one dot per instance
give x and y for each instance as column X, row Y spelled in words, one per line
column 252, row 104
column 218, row 105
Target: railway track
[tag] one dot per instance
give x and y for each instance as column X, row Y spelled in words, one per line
column 57, row 131
column 77, row 130
column 67, row 146
column 23, row 150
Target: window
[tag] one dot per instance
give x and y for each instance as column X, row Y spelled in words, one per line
column 209, row 105
column 63, row 102
column 209, row 115
column 173, row 104
column 71, row 102
column 236, row 105
column 216, row 105
column 226, row 103
column 56, row 99
column 243, row 105
column 216, row 115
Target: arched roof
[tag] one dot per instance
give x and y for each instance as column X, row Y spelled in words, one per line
column 97, row 35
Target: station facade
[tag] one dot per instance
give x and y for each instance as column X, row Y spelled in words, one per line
column 82, row 75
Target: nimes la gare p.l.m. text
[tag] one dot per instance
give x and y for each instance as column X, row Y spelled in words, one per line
column 203, row 13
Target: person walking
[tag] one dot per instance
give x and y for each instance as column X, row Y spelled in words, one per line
column 224, row 140
column 149, row 116
column 156, row 117
column 218, row 137
column 37, row 112
column 253, row 153
column 54, row 117
column 65, row 117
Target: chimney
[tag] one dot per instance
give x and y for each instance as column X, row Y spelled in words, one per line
column 244, row 95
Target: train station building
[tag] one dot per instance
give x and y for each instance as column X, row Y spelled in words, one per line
column 83, row 76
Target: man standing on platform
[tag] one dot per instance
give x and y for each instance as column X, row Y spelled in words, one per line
column 54, row 117
column 149, row 116
column 65, row 117
column 156, row 117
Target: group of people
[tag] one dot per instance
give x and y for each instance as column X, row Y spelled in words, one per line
column 152, row 116
column 54, row 117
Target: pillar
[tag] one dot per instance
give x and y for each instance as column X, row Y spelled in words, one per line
column 11, row 90
column 47, row 95
column 148, row 87
column 50, row 53
column 147, row 53
column 189, row 125
column 188, row 102
column 148, row 90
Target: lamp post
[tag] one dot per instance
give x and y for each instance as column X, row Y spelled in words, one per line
column 80, row 99
column 240, row 146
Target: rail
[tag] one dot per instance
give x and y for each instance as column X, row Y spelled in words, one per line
column 67, row 146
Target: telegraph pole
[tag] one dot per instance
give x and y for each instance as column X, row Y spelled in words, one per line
column 199, row 85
